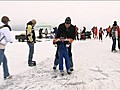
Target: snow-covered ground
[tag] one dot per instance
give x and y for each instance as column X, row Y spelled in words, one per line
column 95, row 67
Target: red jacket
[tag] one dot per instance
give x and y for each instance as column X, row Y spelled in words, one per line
column 118, row 29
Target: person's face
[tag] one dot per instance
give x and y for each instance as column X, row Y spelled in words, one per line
column 62, row 39
column 67, row 25
column 34, row 22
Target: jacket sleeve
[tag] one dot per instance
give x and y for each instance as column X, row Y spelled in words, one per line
column 72, row 36
column 74, row 31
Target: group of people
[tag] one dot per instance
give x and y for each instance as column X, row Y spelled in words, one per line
column 65, row 31
column 64, row 37
column 113, row 32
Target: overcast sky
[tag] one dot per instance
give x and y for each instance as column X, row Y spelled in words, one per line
column 82, row 13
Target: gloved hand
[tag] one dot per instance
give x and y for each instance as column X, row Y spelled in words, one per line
column 54, row 41
column 70, row 40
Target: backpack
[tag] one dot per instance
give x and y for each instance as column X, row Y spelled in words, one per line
column 113, row 31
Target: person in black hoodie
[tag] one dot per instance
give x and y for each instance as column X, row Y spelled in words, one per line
column 69, row 30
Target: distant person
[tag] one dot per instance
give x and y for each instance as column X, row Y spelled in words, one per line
column 31, row 39
column 46, row 33
column 5, row 38
column 95, row 33
column 76, row 33
column 83, row 36
column 108, row 30
column 101, row 34
column 114, row 34
column 69, row 30
column 40, row 33
column 55, row 31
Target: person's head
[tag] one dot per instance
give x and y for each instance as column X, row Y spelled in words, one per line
column 115, row 23
column 5, row 19
column 33, row 22
column 67, row 22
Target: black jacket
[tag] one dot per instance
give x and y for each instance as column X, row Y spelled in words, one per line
column 70, row 32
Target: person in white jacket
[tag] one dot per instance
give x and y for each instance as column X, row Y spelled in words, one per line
column 4, row 39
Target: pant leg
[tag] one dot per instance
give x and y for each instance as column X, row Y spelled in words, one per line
column 60, row 60
column 107, row 34
column 1, row 55
column 56, row 61
column 101, row 37
column 5, row 67
column 31, row 52
column 3, row 60
column 114, row 43
column 70, row 56
column 67, row 61
column 119, row 42
column 71, row 62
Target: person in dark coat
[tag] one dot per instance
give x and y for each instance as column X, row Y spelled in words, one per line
column 101, row 34
column 114, row 33
column 69, row 30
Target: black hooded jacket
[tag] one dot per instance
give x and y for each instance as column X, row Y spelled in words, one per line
column 69, row 33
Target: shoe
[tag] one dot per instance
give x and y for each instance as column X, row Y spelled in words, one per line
column 54, row 67
column 62, row 72
column 71, row 69
column 32, row 64
column 69, row 72
column 8, row 77
column 113, row 51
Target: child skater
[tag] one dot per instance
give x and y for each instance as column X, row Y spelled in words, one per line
column 62, row 43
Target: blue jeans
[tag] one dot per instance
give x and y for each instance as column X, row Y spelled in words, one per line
column 56, row 61
column 4, row 60
column 114, row 43
column 31, row 52
column 63, row 53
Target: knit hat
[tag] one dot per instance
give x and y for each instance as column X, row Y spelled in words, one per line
column 115, row 23
column 68, row 20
